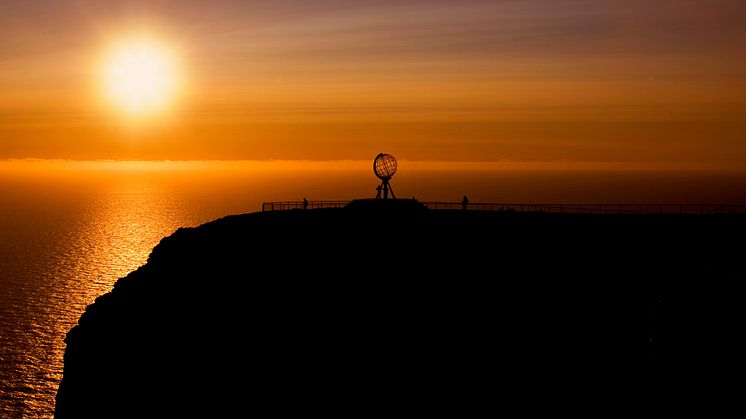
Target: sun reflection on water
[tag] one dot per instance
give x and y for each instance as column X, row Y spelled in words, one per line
column 71, row 260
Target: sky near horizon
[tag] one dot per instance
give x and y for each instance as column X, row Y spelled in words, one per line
column 618, row 81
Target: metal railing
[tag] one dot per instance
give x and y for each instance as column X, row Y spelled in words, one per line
column 546, row 208
column 288, row 205
column 594, row 208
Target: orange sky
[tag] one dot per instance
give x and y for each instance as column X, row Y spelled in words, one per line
column 661, row 82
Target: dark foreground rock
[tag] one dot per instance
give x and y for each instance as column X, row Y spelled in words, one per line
column 404, row 310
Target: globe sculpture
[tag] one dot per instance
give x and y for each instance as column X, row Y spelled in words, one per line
column 384, row 166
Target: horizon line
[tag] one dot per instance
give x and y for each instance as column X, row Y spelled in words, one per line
column 498, row 165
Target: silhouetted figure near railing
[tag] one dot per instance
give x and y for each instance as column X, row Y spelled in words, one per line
column 378, row 191
column 305, row 203
column 465, row 203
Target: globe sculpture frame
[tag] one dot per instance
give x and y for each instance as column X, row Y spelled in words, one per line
column 385, row 166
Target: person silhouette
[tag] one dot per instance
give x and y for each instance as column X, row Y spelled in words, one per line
column 465, row 203
column 378, row 191
column 305, row 203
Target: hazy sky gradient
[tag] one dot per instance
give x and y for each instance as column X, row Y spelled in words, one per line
column 535, row 80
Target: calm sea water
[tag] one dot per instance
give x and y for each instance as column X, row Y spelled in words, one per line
column 68, row 230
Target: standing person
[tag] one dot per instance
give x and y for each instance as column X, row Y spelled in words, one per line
column 465, row 203
column 305, row 203
column 378, row 191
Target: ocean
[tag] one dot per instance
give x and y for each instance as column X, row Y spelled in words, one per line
column 69, row 229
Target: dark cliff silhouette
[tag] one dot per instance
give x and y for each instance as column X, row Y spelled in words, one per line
column 386, row 306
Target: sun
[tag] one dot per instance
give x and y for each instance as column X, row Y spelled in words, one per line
column 140, row 77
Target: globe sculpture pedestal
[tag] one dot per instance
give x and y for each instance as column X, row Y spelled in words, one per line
column 384, row 166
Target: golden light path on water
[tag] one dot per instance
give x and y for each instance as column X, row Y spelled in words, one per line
column 76, row 260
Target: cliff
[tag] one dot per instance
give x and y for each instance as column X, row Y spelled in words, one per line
column 382, row 309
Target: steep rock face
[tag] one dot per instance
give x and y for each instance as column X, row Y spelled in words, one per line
column 375, row 309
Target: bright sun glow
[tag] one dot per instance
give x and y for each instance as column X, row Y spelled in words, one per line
column 140, row 77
